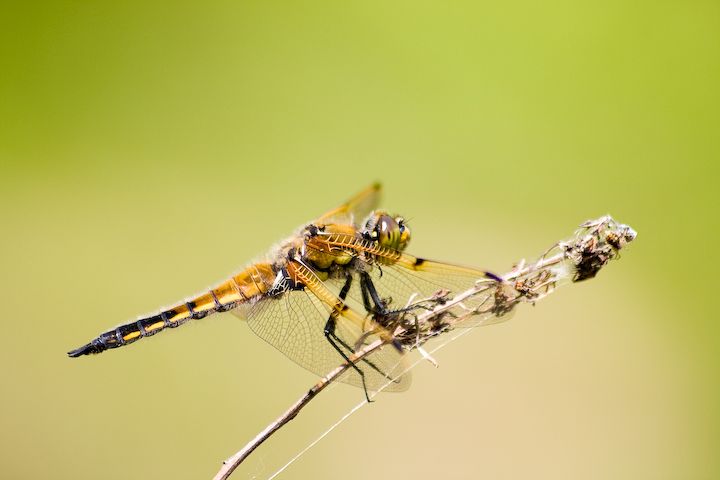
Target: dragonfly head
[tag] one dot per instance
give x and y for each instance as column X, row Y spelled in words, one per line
column 387, row 231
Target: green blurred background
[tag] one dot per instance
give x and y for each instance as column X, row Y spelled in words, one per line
column 148, row 150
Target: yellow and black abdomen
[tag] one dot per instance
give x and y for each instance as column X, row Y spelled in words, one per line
column 253, row 281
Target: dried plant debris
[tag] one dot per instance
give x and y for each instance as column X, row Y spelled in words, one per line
column 492, row 301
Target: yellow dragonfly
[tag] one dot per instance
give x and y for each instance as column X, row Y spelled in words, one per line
column 323, row 293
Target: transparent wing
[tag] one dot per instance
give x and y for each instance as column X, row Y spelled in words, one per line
column 398, row 287
column 355, row 209
column 294, row 323
column 399, row 279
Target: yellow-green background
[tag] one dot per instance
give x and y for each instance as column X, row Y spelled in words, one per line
column 149, row 149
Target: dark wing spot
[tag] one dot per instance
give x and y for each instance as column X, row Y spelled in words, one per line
column 493, row 277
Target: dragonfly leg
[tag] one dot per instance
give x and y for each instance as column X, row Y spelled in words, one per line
column 379, row 310
column 332, row 338
column 370, row 293
column 379, row 305
column 337, row 342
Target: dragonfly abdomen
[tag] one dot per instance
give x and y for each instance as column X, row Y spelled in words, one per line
column 145, row 327
column 253, row 281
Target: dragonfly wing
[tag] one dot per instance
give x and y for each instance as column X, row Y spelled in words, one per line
column 400, row 278
column 356, row 209
column 294, row 323
column 399, row 285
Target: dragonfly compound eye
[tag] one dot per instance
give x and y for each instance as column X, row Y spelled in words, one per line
column 404, row 233
column 388, row 232
column 391, row 233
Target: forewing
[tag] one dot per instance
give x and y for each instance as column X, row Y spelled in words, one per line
column 355, row 209
column 402, row 280
column 294, row 323
column 399, row 285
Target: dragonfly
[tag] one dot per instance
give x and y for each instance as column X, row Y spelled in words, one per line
column 337, row 284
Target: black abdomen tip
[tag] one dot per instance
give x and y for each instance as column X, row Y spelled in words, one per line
column 84, row 350
column 96, row 346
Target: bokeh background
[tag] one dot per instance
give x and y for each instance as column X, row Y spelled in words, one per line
column 149, row 149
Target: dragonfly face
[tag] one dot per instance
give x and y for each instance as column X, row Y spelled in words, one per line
column 331, row 288
column 387, row 231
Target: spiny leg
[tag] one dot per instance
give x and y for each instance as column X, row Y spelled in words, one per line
column 369, row 309
column 333, row 338
column 379, row 306
column 370, row 293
